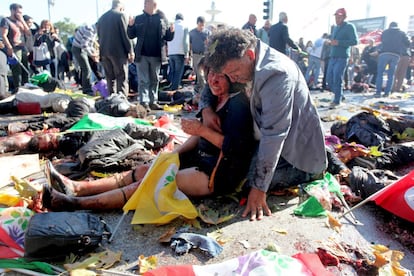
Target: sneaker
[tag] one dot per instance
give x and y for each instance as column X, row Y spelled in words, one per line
column 155, row 106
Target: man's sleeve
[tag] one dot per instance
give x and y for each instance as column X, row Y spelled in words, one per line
column 288, row 40
column 352, row 38
column 276, row 118
column 131, row 30
column 206, row 99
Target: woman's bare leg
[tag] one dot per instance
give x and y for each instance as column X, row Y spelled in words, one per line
column 114, row 199
column 93, row 187
column 192, row 182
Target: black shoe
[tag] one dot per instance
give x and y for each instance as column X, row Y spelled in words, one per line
column 55, row 179
column 155, row 106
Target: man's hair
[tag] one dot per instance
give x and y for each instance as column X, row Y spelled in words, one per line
column 201, row 19
column 118, row 3
column 15, row 6
column 282, row 16
column 228, row 44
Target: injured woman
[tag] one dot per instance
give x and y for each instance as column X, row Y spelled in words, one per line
column 231, row 150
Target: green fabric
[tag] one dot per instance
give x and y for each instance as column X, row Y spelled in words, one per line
column 310, row 208
column 98, row 121
column 21, row 263
column 40, row 78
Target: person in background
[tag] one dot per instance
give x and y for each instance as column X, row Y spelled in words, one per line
column 13, row 30
column 4, row 83
column 401, row 71
column 393, row 43
column 369, row 57
column 34, row 28
column 178, row 49
column 46, row 34
column 279, row 35
column 315, row 62
column 291, row 147
column 152, row 31
column 198, row 40
column 411, row 66
column 84, row 50
column 251, row 24
column 115, row 47
column 343, row 37
column 263, row 33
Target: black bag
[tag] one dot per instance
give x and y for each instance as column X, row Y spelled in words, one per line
column 51, row 84
column 55, row 235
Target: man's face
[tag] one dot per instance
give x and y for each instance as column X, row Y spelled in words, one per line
column 339, row 19
column 47, row 142
column 239, row 70
column 252, row 19
column 17, row 13
column 149, row 6
column 201, row 25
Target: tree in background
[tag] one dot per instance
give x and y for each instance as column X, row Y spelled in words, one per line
column 66, row 29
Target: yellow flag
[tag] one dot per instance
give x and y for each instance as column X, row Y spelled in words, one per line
column 158, row 200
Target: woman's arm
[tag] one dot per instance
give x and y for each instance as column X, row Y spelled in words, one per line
column 196, row 128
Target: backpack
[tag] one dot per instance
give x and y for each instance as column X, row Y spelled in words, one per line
column 41, row 55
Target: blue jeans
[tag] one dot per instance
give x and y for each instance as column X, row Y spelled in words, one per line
column 385, row 59
column 335, row 76
column 176, row 70
column 148, row 70
column 314, row 68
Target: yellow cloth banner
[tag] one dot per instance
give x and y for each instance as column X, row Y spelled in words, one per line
column 158, row 200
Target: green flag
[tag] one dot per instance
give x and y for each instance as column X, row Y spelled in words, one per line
column 98, row 121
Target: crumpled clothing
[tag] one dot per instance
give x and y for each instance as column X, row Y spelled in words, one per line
column 182, row 243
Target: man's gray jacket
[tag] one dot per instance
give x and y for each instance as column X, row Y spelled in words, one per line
column 286, row 120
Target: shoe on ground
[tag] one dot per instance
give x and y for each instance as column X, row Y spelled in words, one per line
column 155, row 106
column 335, row 105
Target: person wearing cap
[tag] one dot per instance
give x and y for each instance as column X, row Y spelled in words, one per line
column 393, row 43
column 343, row 37
column 178, row 49
column 115, row 47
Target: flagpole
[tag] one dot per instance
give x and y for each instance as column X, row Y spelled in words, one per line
column 371, row 196
column 117, row 226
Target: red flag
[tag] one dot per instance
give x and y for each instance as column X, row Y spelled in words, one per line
column 398, row 197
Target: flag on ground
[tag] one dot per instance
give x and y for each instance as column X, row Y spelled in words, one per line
column 398, row 197
column 157, row 200
column 98, row 121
